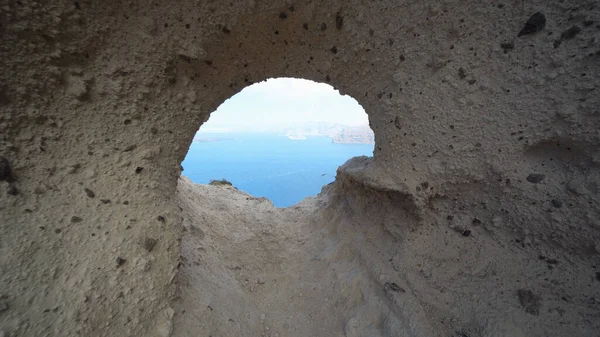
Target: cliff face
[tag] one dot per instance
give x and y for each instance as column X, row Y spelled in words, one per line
column 486, row 128
column 354, row 135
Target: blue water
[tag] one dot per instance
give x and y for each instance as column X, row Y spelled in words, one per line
column 270, row 165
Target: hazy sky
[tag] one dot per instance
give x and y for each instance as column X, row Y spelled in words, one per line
column 282, row 102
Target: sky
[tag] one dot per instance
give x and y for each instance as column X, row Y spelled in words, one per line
column 279, row 103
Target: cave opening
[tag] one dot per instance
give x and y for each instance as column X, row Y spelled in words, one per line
column 282, row 139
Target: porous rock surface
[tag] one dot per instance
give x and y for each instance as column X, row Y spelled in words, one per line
column 478, row 214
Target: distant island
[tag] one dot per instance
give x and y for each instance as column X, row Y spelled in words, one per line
column 354, row 135
column 295, row 136
column 339, row 133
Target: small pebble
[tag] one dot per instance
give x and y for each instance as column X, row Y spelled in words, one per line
column 120, row 261
column 576, row 186
column 90, row 173
column 149, row 244
column 536, row 23
column 89, row 192
column 535, row 178
column 260, row 280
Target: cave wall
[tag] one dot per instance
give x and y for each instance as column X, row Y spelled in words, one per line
column 99, row 102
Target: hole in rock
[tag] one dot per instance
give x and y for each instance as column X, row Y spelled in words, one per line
column 282, row 139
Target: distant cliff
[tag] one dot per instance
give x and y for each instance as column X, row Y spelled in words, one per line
column 354, row 135
column 339, row 133
column 315, row 129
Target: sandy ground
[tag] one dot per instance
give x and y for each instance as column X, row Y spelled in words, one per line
column 253, row 270
column 249, row 269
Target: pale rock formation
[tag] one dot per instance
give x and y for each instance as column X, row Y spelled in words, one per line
column 354, row 135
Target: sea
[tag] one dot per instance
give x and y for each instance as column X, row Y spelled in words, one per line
column 269, row 165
